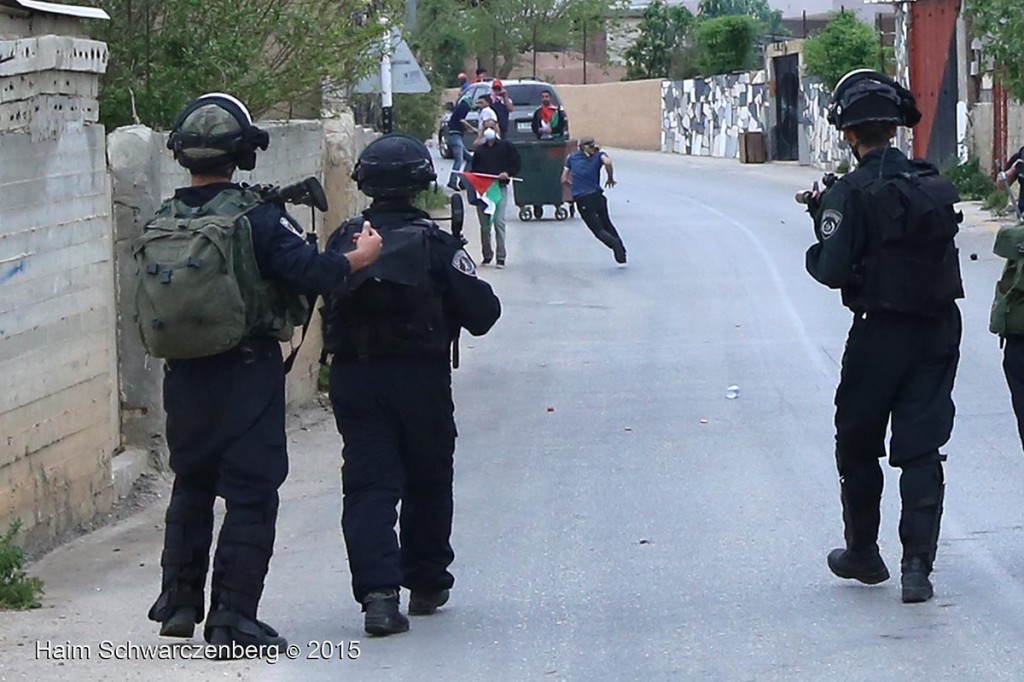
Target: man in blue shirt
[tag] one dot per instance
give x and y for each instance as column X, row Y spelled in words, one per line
column 456, row 129
column 584, row 168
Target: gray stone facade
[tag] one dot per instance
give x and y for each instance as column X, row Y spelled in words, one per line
column 704, row 116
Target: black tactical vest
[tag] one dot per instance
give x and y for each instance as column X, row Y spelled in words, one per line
column 911, row 264
column 394, row 307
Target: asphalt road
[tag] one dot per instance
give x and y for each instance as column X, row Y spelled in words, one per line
column 617, row 516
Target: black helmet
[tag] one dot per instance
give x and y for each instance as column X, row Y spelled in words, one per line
column 395, row 165
column 864, row 95
column 214, row 131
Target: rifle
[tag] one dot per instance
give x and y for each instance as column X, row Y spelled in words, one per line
column 458, row 214
column 308, row 192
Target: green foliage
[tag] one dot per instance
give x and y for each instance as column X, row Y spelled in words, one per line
column 770, row 20
column 662, row 39
column 726, row 44
column 17, row 589
column 500, row 31
column 416, row 114
column 1000, row 25
column 440, row 42
column 323, row 379
column 998, row 202
column 970, row 181
column 843, row 167
column 164, row 53
column 431, row 199
column 843, row 45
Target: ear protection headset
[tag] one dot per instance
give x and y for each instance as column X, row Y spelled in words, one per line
column 241, row 145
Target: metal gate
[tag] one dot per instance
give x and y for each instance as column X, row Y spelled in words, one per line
column 933, row 77
column 787, row 107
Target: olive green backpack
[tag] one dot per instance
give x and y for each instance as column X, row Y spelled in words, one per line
column 196, row 275
column 1007, row 318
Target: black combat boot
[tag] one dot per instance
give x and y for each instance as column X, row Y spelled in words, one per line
column 426, row 602
column 866, row 565
column 922, row 488
column 382, row 615
column 234, row 634
column 916, row 585
column 181, row 623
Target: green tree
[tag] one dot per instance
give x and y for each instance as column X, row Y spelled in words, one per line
column 843, row 45
column 501, row 30
column 266, row 52
column 440, row 42
column 770, row 20
column 1000, row 24
column 726, row 44
column 663, row 36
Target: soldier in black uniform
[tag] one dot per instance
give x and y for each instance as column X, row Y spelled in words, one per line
column 226, row 412
column 390, row 331
column 886, row 238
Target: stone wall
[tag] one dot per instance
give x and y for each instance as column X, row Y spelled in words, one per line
column 704, row 116
column 980, row 135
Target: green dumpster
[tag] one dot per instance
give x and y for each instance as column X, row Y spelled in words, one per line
column 541, row 173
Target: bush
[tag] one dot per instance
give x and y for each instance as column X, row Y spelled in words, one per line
column 998, row 202
column 431, row 200
column 726, row 44
column 845, row 44
column 17, row 589
column 972, row 184
column 416, row 115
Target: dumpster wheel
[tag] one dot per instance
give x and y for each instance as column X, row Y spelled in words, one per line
column 561, row 213
column 525, row 213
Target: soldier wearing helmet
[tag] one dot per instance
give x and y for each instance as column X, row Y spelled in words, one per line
column 390, row 330
column 226, row 411
column 885, row 239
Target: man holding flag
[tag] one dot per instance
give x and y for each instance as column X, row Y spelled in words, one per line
column 549, row 120
column 493, row 165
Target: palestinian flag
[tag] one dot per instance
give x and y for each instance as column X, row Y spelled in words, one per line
column 488, row 190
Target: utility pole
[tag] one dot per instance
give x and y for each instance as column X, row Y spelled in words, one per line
column 386, row 99
column 584, row 51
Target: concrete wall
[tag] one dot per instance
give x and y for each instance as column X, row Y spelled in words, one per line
column 980, row 132
column 58, row 406
column 626, row 115
column 57, row 346
column 144, row 173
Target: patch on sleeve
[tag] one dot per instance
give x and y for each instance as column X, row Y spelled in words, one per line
column 463, row 263
column 830, row 222
column 294, row 229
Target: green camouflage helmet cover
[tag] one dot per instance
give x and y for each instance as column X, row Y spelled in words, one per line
column 215, row 131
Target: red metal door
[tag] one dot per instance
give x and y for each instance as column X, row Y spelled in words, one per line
column 933, row 77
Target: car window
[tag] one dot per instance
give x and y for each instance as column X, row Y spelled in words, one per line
column 528, row 94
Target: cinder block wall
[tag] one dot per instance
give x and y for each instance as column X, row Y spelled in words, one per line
column 57, row 345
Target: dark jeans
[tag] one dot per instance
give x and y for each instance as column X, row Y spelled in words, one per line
column 593, row 209
column 396, row 418
column 226, row 435
column 897, row 372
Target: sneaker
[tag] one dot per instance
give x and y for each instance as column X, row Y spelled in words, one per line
column 424, row 603
column 867, row 567
column 233, row 634
column 382, row 615
column 486, row 261
column 917, row 587
column 182, row 623
column 501, row 263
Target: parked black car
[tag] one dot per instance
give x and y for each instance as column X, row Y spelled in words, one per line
column 525, row 96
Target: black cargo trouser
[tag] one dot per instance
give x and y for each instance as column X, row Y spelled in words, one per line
column 226, row 435
column 1013, row 368
column 898, row 371
column 593, row 209
column 396, row 418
